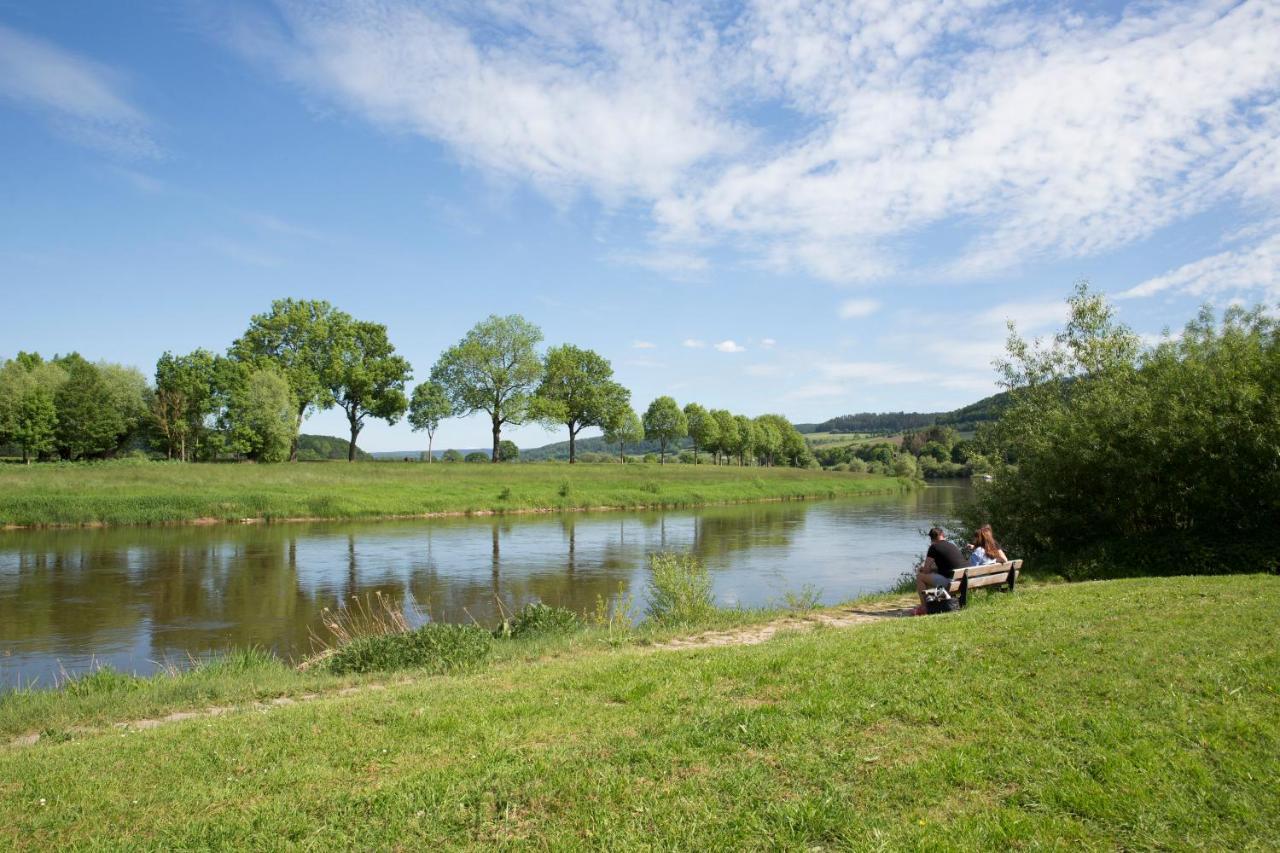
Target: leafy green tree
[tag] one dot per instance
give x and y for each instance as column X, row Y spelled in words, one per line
column 476, row 456
column 768, row 440
column 451, row 456
column 28, row 384
column 703, row 429
column 365, row 376
column 746, row 442
column 624, row 428
column 261, row 416
column 427, row 408
column 664, row 422
column 131, row 397
column 507, row 451
column 185, row 398
column 726, row 433
column 1113, row 459
column 89, row 421
column 493, row 369
column 577, row 390
column 296, row 335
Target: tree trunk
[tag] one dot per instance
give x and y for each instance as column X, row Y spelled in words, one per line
column 431, row 457
column 573, row 436
column 662, row 458
column 622, row 453
column 695, row 453
column 351, row 448
column 297, row 429
column 497, row 439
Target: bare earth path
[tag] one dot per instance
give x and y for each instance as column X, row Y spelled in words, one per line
column 750, row 635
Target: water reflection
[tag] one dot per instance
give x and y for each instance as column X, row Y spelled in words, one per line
column 138, row 597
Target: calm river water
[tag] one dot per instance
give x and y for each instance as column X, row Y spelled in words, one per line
column 136, row 598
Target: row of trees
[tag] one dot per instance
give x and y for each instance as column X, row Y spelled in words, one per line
column 304, row 356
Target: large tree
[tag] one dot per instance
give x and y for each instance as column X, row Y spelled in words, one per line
column 365, row 376
column 296, row 336
column 703, row 429
column 664, row 421
column 89, row 421
column 493, row 369
column 745, row 445
column 577, row 390
column 624, row 428
column 428, row 406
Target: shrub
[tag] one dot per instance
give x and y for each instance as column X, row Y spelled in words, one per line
column 434, row 648
column 476, row 456
column 539, row 620
column 679, row 589
column 808, row 598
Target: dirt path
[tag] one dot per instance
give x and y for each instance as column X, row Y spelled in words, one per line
column 748, row 635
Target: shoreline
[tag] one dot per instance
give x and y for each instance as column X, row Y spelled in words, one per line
column 212, row 521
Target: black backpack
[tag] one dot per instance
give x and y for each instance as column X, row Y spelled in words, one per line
column 939, row 601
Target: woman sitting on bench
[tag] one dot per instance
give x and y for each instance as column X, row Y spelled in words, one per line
column 985, row 548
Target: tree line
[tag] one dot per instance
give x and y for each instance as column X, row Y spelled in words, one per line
column 304, row 356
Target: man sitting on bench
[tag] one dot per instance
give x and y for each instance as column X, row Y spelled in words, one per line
column 940, row 563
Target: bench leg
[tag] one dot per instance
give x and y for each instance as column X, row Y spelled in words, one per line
column 964, row 589
column 1013, row 579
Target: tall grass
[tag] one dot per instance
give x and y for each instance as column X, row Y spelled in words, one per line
column 679, row 589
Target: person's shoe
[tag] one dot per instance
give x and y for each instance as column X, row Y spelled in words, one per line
column 919, row 611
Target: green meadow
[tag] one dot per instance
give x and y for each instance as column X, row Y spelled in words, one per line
column 153, row 493
column 1135, row 714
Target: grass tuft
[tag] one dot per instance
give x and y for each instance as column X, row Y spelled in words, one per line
column 679, row 590
column 432, row 648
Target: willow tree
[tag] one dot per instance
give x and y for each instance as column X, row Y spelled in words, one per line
column 577, row 390
column 493, row 369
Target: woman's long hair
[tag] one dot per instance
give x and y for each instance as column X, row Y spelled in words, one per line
column 983, row 538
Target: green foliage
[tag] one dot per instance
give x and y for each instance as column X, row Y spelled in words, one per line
column 186, row 397
column 261, row 416
column 451, row 456
column 1105, row 445
column 104, row 680
column 427, row 408
column 704, row 429
column 365, row 376
column 473, row 456
column 28, row 411
column 316, row 448
column 296, row 337
column 493, row 369
column 679, row 589
column 807, row 599
column 624, row 428
column 664, row 421
column 539, row 620
column 434, row 648
column 727, row 437
column 577, row 390
column 89, row 422
column 507, row 451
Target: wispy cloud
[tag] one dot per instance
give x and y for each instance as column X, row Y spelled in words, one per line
column 83, row 100
column 680, row 265
column 730, row 346
column 768, row 343
column 643, row 345
column 693, row 343
column 762, row 370
column 1253, row 268
column 853, row 308
column 276, row 225
column 1026, row 134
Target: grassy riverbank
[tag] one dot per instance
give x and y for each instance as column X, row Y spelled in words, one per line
column 153, row 493
column 1125, row 714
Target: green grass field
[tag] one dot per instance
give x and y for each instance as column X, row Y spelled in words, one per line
column 150, row 493
column 1139, row 714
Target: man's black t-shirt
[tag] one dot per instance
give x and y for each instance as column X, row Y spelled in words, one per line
column 946, row 557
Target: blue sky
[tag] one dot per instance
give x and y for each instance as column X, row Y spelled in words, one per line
column 812, row 208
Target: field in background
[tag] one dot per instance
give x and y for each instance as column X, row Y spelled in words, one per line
column 150, row 492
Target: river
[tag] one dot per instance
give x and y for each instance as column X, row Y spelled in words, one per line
column 140, row 598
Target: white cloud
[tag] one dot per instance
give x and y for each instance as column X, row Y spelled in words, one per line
column 1023, row 134
column 853, row 308
column 673, row 264
column 730, row 346
column 83, row 99
column 643, row 345
column 693, row 343
column 768, row 343
column 1253, row 268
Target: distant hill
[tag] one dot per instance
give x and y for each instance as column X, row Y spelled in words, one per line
column 964, row 419
column 315, row 448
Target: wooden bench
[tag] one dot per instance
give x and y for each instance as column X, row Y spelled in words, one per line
column 991, row 575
